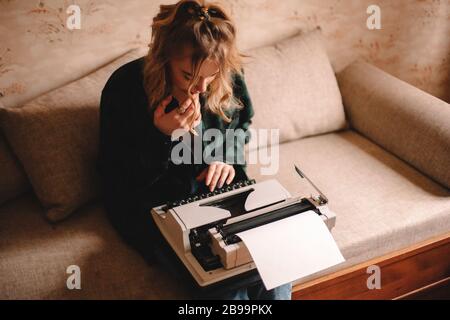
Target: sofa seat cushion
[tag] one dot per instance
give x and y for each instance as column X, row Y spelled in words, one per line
column 382, row 203
column 35, row 255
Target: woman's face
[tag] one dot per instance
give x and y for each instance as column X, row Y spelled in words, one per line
column 181, row 74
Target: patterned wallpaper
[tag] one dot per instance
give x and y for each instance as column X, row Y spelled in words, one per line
column 38, row 52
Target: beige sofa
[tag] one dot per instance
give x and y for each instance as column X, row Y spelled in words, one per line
column 376, row 146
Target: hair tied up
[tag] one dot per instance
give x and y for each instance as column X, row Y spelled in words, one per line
column 204, row 14
column 201, row 12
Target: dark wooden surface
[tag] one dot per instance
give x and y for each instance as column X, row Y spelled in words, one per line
column 412, row 270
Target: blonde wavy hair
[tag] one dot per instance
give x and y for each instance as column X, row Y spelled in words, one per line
column 208, row 29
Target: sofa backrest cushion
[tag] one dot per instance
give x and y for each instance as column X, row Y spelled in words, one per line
column 293, row 88
column 55, row 137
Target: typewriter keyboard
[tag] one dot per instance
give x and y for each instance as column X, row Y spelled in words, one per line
column 230, row 187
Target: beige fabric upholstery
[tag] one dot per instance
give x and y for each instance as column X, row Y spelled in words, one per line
column 382, row 203
column 293, row 88
column 410, row 123
column 55, row 138
column 13, row 180
column 34, row 257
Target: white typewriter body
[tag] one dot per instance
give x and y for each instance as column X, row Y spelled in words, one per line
column 202, row 230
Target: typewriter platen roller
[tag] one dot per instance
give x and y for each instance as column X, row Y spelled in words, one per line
column 203, row 229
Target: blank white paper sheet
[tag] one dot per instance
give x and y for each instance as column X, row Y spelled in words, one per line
column 291, row 248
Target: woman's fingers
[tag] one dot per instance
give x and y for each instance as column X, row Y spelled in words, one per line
column 215, row 177
column 225, row 173
column 231, row 175
column 185, row 105
column 209, row 175
column 169, row 122
column 197, row 121
column 185, row 117
column 187, row 114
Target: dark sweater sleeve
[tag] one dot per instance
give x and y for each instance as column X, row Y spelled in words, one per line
column 132, row 162
column 127, row 142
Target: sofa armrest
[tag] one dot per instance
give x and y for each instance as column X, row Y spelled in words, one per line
column 401, row 118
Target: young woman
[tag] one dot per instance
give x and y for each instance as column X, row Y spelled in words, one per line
column 193, row 59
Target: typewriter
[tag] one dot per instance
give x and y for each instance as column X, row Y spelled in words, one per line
column 202, row 229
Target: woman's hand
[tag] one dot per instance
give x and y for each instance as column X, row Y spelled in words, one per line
column 167, row 123
column 217, row 174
